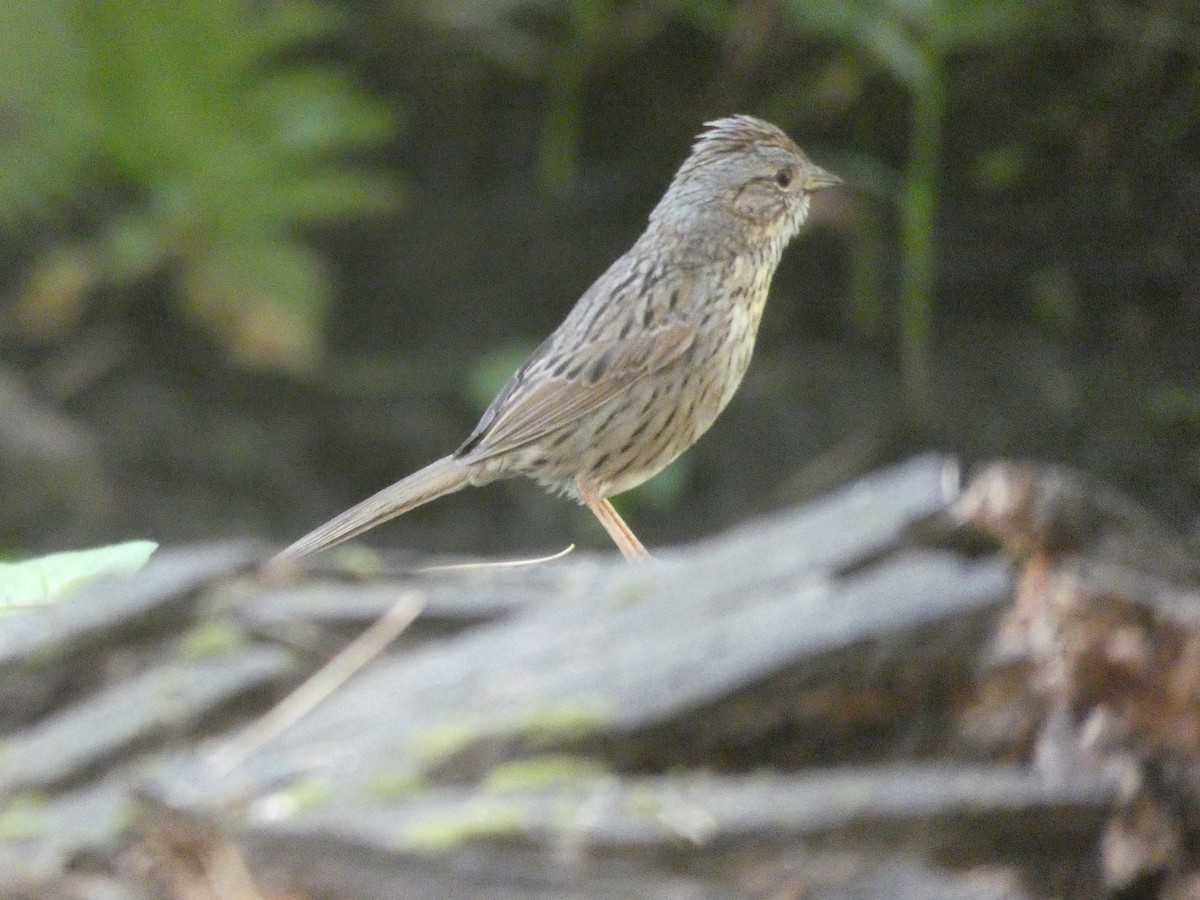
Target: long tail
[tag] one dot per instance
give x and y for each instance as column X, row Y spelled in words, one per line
column 445, row 476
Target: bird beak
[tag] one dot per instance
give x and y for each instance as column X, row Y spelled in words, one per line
column 818, row 178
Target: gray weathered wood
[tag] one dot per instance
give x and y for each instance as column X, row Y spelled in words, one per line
column 174, row 696
column 596, row 813
column 623, row 648
column 766, row 713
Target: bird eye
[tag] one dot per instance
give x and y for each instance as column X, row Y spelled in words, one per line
column 783, row 177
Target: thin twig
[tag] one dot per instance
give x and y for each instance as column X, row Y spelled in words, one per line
column 300, row 702
column 502, row 564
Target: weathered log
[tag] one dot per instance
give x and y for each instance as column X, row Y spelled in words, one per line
column 775, row 711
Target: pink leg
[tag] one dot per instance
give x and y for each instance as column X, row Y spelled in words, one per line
column 631, row 548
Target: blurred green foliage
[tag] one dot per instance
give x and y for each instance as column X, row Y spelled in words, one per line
column 199, row 140
column 221, row 145
column 490, row 372
column 564, row 45
column 913, row 42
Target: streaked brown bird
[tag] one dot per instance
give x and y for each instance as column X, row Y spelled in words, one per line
column 651, row 353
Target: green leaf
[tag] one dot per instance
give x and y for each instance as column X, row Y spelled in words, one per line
column 872, row 27
column 313, row 111
column 897, row 51
column 48, row 579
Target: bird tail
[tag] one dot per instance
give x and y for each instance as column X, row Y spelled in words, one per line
column 445, row 476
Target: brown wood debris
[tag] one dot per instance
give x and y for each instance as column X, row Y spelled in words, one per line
column 1105, row 632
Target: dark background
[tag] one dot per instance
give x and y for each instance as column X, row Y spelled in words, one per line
column 162, row 375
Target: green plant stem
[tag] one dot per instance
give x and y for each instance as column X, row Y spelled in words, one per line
column 867, row 253
column 588, row 23
column 561, row 124
column 918, row 208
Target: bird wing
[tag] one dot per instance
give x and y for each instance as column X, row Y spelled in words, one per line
column 553, row 390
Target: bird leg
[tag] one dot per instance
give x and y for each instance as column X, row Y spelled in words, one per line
column 631, row 548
